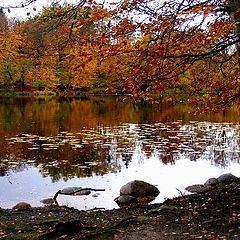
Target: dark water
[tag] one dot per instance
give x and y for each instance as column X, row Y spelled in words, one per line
column 104, row 142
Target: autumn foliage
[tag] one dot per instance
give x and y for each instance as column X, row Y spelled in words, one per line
column 154, row 51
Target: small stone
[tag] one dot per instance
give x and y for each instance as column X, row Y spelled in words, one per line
column 125, row 200
column 95, row 195
column 198, row 188
column 22, row 206
column 48, row 201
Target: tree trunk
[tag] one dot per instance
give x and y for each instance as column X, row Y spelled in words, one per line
column 234, row 12
column 3, row 21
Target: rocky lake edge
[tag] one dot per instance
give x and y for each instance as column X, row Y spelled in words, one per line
column 211, row 214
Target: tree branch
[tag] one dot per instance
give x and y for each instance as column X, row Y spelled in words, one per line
column 21, row 5
column 205, row 54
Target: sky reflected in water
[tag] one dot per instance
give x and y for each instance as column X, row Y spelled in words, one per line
column 104, row 143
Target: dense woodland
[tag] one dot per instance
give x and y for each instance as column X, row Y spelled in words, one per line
column 179, row 50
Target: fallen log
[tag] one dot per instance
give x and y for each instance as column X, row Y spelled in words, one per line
column 75, row 191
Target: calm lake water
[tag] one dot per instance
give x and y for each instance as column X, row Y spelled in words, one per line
column 105, row 142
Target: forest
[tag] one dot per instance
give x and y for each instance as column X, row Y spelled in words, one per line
column 177, row 51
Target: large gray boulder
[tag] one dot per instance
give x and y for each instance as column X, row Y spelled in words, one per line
column 136, row 193
column 139, row 188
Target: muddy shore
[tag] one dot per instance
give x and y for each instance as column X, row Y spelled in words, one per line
column 211, row 215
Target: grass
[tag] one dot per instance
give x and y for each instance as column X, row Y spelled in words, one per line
column 15, row 94
column 45, row 93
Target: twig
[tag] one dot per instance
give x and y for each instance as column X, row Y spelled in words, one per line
column 180, row 192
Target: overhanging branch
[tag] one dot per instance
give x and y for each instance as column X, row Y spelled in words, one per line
column 21, row 5
column 205, row 54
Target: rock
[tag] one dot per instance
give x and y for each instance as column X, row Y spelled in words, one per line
column 75, row 191
column 82, row 192
column 143, row 200
column 136, row 193
column 70, row 190
column 227, row 178
column 139, row 188
column 125, row 200
column 211, row 182
column 198, row 188
column 48, row 201
column 163, row 208
column 95, row 195
column 128, row 200
column 22, row 206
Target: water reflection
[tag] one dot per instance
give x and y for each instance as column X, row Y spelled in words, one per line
column 99, row 140
column 99, row 150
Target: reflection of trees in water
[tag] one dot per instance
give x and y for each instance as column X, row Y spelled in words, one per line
column 225, row 145
column 109, row 149
column 58, row 161
column 8, row 166
column 3, row 169
column 71, row 163
column 218, row 143
column 64, row 141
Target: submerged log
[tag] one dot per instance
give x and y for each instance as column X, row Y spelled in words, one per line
column 75, row 191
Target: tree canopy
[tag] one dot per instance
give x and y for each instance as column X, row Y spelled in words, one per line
column 178, row 50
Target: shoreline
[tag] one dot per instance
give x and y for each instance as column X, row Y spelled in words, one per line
column 211, row 215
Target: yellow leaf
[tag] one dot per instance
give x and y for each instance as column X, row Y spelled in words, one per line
column 124, row 4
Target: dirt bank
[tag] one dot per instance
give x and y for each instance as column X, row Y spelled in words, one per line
column 212, row 215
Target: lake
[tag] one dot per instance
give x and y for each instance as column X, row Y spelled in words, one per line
column 105, row 142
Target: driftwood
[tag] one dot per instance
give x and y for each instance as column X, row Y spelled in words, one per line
column 74, row 192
